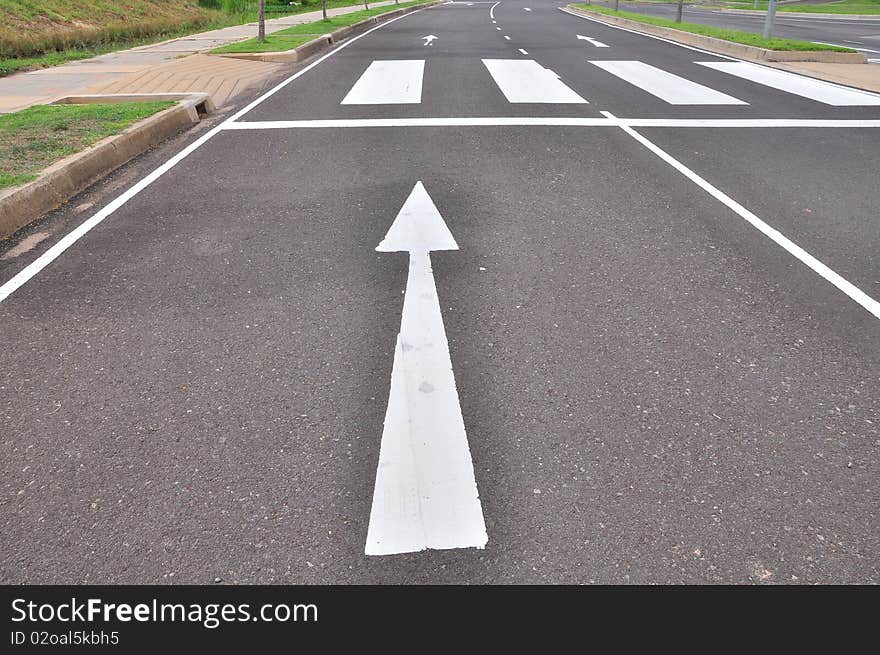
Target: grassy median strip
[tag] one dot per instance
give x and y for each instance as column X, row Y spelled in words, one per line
column 34, row 138
column 299, row 34
column 735, row 36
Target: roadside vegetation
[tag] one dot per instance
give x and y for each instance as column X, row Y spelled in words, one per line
column 735, row 36
column 299, row 34
column 832, row 7
column 41, row 33
column 836, row 7
column 34, row 138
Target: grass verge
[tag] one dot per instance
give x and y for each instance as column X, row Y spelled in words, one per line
column 839, row 7
column 299, row 34
column 34, row 138
column 735, row 36
column 77, row 29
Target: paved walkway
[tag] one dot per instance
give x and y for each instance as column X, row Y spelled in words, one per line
column 157, row 67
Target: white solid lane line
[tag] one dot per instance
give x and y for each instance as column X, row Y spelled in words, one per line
column 388, row 83
column 807, row 87
column 555, row 121
column 525, row 80
column 771, row 233
column 426, row 495
column 673, row 89
column 41, row 262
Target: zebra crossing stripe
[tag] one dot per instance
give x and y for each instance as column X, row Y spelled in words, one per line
column 668, row 87
column 806, row 87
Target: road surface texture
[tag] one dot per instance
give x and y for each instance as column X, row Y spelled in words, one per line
column 664, row 333
column 857, row 32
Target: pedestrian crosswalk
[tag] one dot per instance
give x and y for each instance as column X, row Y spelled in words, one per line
column 825, row 92
column 391, row 82
column 525, row 80
column 388, row 83
column 673, row 89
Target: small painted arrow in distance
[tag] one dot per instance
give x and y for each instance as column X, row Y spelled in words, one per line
column 425, row 495
column 596, row 43
column 428, row 39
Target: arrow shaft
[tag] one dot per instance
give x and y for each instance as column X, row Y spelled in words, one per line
column 426, row 494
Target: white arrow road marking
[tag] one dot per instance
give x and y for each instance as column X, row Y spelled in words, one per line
column 596, row 43
column 429, row 38
column 425, row 495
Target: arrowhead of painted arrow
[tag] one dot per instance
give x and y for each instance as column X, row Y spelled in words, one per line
column 419, row 227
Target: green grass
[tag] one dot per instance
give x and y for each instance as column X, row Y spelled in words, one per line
column 34, row 138
column 735, row 36
column 299, row 34
column 41, row 33
column 277, row 42
column 841, row 7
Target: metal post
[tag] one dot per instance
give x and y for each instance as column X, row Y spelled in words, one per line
column 261, row 30
column 616, row 5
column 678, row 11
column 768, row 22
column 324, row 8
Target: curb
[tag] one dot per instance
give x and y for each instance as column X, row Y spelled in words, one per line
column 739, row 50
column 56, row 184
column 325, row 40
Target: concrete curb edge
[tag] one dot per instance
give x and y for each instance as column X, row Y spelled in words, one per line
column 738, row 50
column 21, row 205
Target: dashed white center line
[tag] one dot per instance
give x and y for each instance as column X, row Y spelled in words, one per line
column 507, row 37
column 523, row 51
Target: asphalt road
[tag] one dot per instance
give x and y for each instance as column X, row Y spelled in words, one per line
column 653, row 389
column 858, row 32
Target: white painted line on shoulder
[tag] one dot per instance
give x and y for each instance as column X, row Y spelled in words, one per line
column 771, row 233
column 668, row 87
column 526, row 81
column 396, row 82
column 41, row 262
column 806, row 87
column 426, row 494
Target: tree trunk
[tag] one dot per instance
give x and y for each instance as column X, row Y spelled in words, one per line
column 261, row 31
column 324, row 8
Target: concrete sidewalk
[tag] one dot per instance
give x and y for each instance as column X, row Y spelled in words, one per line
column 173, row 65
column 861, row 76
